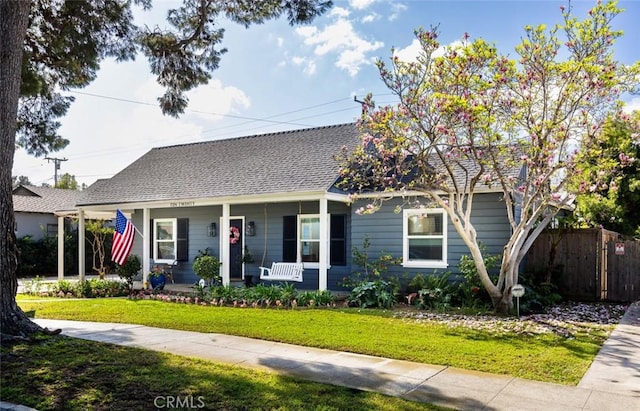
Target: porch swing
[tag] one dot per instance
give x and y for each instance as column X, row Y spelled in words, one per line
column 279, row 271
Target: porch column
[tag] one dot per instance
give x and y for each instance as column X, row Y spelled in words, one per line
column 146, row 246
column 81, row 241
column 324, row 245
column 60, row 248
column 225, row 249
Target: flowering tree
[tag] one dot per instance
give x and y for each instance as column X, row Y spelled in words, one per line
column 614, row 205
column 468, row 117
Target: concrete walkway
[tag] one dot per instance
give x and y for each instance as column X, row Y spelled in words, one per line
column 612, row 382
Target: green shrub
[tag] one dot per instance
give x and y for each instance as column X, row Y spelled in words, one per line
column 538, row 296
column 471, row 293
column 207, row 267
column 370, row 269
column 436, row 292
column 64, row 286
column 288, row 293
column 228, row 293
column 315, row 299
column 36, row 257
column 372, row 294
column 416, row 284
column 129, row 269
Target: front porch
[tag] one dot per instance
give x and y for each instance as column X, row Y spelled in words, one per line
column 245, row 234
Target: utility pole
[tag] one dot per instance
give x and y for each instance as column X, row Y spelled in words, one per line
column 362, row 104
column 56, row 163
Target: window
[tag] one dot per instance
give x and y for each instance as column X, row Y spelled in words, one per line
column 52, row 230
column 424, row 238
column 170, row 239
column 301, row 236
column 309, row 238
column 164, row 249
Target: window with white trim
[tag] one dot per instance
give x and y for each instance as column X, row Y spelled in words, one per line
column 301, row 239
column 165, row 239
column 309, row 240
column 424, row 238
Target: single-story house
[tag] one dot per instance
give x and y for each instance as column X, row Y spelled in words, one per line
column 35, row 207
column 273, row 197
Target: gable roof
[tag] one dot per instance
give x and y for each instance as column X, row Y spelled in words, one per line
column 274, row 163
column 32, row 199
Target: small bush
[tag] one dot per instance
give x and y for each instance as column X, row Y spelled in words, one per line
column 370, row 269
column 207, row 267
column 130, row 269
column 471, row 293
column 538, row 296
column 437, row 291
column 372, row 294
column 315, row 299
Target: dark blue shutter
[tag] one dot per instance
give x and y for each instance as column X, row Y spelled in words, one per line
column 338, row 240
column 182, row 251
column 289, row 238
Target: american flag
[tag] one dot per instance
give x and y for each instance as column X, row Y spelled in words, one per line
column 122, row 239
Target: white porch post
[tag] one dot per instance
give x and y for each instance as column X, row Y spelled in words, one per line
column 60, row 248
column 81, row 240
column 225, row 249
column 324, row 245
column 146, row 246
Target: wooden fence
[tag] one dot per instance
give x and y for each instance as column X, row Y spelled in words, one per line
column 588, row 264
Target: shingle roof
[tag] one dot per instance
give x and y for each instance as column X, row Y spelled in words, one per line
column 284, row 162
column 32, row 199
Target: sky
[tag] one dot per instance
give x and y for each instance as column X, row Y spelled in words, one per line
column 275, row 77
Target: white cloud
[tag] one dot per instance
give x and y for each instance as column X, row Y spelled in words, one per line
column 413, row 50
column 632, row 105
column 340, row 38
column 309, row 66
column 396, row 10
column 361, row 4
column 216, row 98
column 211, row 101
column 280, row 41
column 339, row 12
column 369, row 18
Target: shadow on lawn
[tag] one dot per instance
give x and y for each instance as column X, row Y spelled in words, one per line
column 75, row 374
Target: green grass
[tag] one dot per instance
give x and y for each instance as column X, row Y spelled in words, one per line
column 547, row 357
column 64, row 373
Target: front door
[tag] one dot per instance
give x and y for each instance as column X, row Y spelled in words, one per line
column 235, row 248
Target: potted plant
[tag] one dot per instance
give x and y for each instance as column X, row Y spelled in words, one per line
column 207, row 267
column 157, row 278
column 130, row 269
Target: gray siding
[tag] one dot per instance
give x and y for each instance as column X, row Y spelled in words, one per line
column 384, row 229
column 35, row 225
column 265, row 246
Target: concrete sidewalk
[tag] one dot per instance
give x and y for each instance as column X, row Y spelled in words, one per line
column 612, row 383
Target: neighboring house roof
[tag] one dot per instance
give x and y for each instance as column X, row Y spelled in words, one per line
column 274, row 163
column 32, row 199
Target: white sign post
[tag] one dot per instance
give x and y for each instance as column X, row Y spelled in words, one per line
column 517, row 291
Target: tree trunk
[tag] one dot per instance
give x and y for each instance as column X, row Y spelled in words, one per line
column 14, row 17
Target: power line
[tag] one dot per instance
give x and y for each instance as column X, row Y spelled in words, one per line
column 190, row 110
column 249, row 120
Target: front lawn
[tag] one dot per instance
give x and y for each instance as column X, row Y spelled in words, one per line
column 540, row 348
column 57, row 373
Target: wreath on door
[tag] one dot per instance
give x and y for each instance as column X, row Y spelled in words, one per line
column 234, row 235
